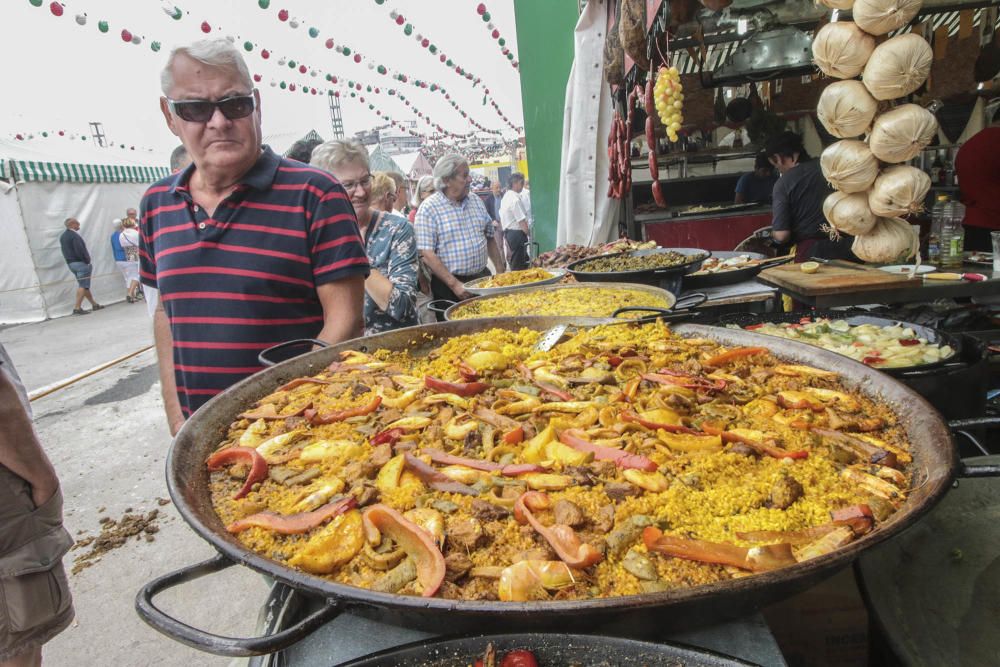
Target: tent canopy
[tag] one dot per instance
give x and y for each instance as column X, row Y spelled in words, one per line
column 61, row 160
column 413, row 165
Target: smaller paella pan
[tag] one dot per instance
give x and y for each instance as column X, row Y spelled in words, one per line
column 661, row 267
column 586, row 303
column 730, row 267
column 514, row 280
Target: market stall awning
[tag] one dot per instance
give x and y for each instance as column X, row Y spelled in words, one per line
column 68, row 172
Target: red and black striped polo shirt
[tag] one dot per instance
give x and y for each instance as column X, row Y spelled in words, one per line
column 244, row 278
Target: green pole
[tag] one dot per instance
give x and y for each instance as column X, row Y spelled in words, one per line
column 545, row 56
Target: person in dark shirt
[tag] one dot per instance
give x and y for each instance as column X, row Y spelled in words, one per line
column 74, row 251
column 797, row 215
column 756, row 186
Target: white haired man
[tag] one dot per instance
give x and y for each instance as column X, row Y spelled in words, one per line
column 455, row 232
column 246, row 248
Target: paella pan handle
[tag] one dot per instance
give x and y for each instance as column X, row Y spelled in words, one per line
column 434, row 308
column 235, row 647
column 689, row 301
column 265, row 356
column 661, row 314
column 961, row 427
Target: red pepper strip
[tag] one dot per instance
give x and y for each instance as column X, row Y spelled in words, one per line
column 629, row 416
column 436, row 479
column 467, row 372
column 292, row 524
column 341, row 415
column 513, row 470
column 907, row 342
column 621, row 458
column 615, row 361
column 258, row 466
column 414, row 540
column 735, row 353
column 458, row 388
column 563, row 540
column 858, row 517
column 729, row 436
column 752, row 327
column 685, row 381
column 513, row 437
column 298, row 382
column 554, row 390
column 871, row 361
column 388, row 436
column 268, row 411
column 764, row 558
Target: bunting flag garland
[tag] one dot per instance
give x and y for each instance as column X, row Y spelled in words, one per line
column 495, row 34
column 71, row 136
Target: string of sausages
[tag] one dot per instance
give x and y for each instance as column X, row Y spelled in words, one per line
column 619, row 140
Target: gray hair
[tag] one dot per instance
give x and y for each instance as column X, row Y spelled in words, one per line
column 446, row 167
column 217, row 52
column 332, row 154
column 68, row 221
column 424, row 183
column 117, row 222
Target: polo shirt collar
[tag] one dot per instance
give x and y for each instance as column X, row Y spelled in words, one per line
column 260, row 177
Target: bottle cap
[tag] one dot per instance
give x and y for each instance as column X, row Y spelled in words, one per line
column 943, row 197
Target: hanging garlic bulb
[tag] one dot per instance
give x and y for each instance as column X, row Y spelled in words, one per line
column 899, row 191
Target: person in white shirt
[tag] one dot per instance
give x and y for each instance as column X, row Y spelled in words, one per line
column 514, row 221
column 526, row 201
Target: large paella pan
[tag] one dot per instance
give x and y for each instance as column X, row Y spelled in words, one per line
column 682, row 535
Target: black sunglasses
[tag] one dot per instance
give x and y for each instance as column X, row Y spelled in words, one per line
column 200, row 111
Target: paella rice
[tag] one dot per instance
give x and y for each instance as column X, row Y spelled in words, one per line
column 624, row 461
column 512, row 278
column 576, row 301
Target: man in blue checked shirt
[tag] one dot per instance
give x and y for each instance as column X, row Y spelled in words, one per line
column 455, row 232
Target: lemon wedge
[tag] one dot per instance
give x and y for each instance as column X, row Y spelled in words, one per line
column 809, row 267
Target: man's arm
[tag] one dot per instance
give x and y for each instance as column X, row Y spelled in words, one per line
column 437, row 267
column 20, row 451
column 82, row 247
column 493, row 249
column 781, row 215
column 165, row 361
column 343, row 309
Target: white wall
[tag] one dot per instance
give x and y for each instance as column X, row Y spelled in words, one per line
column 20, row 296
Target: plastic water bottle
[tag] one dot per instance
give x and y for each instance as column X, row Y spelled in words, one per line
column 934, row 238
column 952, row 232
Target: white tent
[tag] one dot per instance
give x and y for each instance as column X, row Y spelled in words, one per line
column 413, row 165
column 45, row 182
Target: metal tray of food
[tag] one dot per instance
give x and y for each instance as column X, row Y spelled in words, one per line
column 473, row 286
column 700, row 279
column 667, row 277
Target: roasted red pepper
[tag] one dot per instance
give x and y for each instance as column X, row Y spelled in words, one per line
column 341, row 415
column 292, row 524
column 514, row 436
column 468, row 373
column 269, row 411
column 298, row 382
column 388, row 436
column 761, row 559
column 694, row 383
column 258, row 466
column 908, row 342
column 776, row 452
column 620, row 457
column 415, row 541
column 629, row 416
column 436, row 479
column 563, row 540
column 458, row 388
column 735, row 353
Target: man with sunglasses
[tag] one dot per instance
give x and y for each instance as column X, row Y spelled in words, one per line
column 246, row 248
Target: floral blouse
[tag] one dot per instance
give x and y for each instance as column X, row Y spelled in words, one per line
column 392, row 250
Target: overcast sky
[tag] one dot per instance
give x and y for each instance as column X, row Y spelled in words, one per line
column 60, row 75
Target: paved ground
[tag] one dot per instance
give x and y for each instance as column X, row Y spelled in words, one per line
column 108, row 440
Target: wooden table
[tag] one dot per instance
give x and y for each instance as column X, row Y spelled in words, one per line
column 927, row 290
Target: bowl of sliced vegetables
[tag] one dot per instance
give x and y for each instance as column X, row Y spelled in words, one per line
column 888, row 345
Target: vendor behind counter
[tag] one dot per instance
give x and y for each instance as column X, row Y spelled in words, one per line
column 757, row 186
column 798, row 202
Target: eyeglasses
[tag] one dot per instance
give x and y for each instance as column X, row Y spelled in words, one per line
column 201, row 111
column 364, row 183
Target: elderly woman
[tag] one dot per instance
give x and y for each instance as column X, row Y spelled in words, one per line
column 425, row 188
column 390, row 289
column 455, row 232
column 383, row 192
column 129, row 240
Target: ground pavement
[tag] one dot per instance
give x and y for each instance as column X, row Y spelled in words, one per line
column 108, row 440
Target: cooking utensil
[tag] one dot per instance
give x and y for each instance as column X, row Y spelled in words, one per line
column 473, row 285
column 933, row 590
column 668, row 277
column 549, row 649
column 935, row 336
column 933, row 468
column 717, row 210
column 844, row 264
column 702, row 280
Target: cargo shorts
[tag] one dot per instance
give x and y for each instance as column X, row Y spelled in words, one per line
column 35, row 601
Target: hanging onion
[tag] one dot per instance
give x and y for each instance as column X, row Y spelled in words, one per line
column 841, row 49
column 890, row 240
column 877, row 17
column 898, row 66
column 899, row 191
column 849, row 214
column 849, row 166
column 846, row 109
column 899, row 135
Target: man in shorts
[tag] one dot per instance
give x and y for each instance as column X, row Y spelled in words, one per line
column 74, row 251
column 35, row 602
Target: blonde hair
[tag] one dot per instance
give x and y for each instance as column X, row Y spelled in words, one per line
column 382, row 186
column 332, row 154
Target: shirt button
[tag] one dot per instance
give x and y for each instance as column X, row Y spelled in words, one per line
column 201, row 225
column 196, row 208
